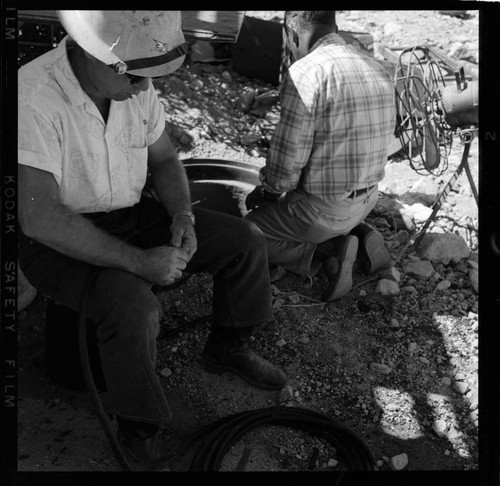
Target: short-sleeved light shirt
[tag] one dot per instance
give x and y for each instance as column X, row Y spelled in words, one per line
column 99, row 166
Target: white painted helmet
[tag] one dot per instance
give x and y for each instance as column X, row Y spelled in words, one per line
column 141, row 42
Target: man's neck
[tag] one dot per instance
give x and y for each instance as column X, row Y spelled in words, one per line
column 81, row 68
column 317, row 34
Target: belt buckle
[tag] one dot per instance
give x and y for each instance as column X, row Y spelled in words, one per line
column 355, row 193
column 358, row 192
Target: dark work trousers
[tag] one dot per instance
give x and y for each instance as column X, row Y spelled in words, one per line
column 126, row 311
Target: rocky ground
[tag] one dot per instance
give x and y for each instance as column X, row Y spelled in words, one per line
column 395, row 361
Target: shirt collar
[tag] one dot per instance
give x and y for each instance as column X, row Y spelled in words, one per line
column 65, row 76
column 328, row 39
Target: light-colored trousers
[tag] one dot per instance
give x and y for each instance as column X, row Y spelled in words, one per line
column 296, row 223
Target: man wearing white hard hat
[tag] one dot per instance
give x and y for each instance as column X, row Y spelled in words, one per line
column 91, row 132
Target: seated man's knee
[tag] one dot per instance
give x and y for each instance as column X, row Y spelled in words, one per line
column 135, row 314
column 143, row 310
column 251, row 234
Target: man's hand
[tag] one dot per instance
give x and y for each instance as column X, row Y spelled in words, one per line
column 162, row 265
column 183, row 235
column 257, row 199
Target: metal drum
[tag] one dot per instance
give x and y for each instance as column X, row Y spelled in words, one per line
column 221, row 185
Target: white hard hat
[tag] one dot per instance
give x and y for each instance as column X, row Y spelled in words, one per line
column 140, row 42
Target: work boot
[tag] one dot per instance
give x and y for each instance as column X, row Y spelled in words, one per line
column 373, row 254
column 228, row 349
column 141, row 444
column 338, row 267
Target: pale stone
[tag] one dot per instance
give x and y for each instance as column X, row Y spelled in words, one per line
column 399, row 462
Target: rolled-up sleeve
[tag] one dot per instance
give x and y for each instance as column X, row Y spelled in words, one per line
column 38, row 142
column 156, row 122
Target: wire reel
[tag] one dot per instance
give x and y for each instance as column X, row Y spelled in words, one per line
column 421, row 120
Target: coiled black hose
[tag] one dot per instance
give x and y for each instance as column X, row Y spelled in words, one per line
column 222, row 434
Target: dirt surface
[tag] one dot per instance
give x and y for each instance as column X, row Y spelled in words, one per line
column 398, row 371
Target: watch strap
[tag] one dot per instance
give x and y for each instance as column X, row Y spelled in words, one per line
column 189, row 214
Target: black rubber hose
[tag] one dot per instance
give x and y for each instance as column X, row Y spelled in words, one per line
column 89, row 378
column 87, row 370
column 85, row 362
column 226, row 431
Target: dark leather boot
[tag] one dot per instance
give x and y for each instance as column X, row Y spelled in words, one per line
column 228, row 349
column 142, row 445
column 338, row 267
column 373, row 254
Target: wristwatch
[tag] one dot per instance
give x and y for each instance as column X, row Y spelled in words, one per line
column 189, row 214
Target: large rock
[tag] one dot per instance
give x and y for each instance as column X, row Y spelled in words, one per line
column 402, row 181
column 443, row 248
column 474, row 275
column 387, row 287
column 459, row 51
column 399, row 179
column 399, row 462
column 417, row 212
column 425, row 191
column 422, row 269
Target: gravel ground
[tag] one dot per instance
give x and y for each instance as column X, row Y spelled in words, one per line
column 405, row 366
column 401, row 371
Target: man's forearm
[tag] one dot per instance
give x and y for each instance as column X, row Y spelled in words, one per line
column 171, row 185
column 73, row 235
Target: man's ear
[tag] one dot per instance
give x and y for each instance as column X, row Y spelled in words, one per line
column 295, row 38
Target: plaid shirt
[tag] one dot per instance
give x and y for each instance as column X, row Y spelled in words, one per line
column 337, row 120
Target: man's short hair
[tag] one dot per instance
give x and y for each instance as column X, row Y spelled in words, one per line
column 307, row 19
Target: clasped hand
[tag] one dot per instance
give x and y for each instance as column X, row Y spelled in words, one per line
column 163, row 265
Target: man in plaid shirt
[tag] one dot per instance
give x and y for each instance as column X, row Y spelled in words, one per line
column 327, row 155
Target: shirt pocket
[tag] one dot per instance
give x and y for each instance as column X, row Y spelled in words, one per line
column 138, row 135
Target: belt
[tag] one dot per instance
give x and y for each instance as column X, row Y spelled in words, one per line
column 359, row 192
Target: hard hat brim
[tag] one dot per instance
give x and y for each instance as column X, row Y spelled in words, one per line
column 157, row 65
column 143, row 43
